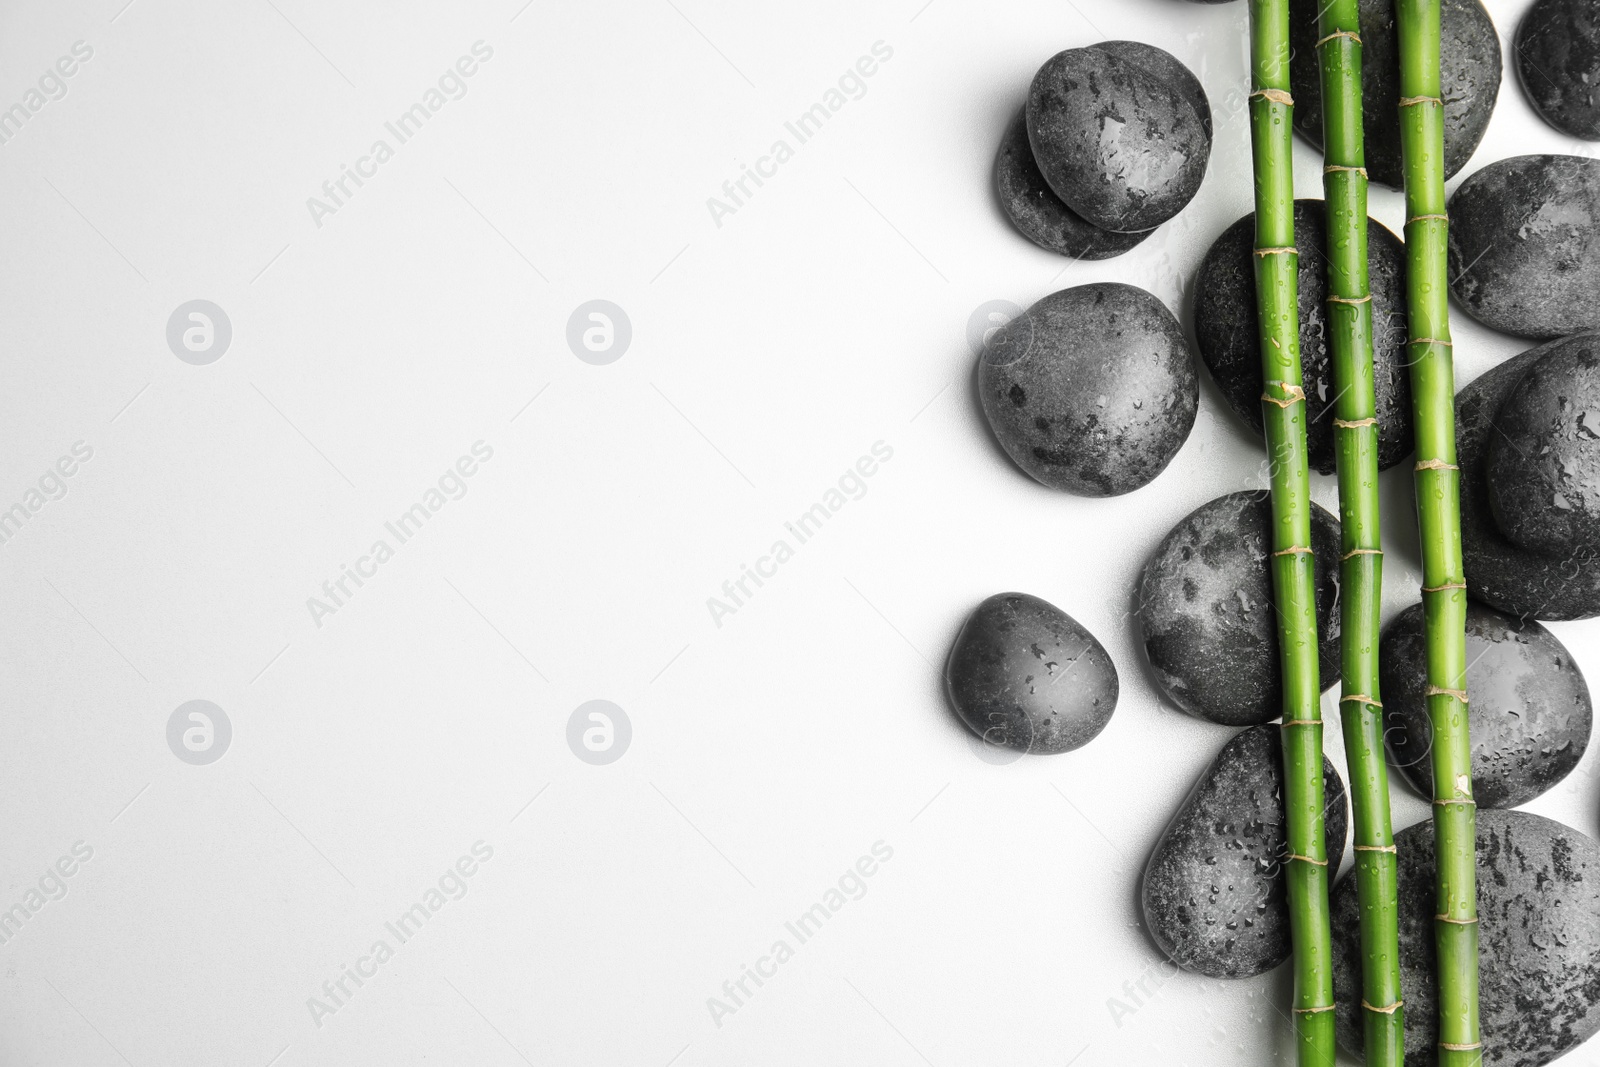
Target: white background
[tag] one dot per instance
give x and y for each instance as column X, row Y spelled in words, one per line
column 768, row 354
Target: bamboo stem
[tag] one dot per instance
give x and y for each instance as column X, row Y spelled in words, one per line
column 1355, row 431
column 1444, row 595
column 1284, row 406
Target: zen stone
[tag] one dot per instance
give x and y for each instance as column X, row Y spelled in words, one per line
column 1226, row 331
column 1558, row 59
column 1119, row 141
column 1038, row 213
column 1092, row 389
column 1499, row 572
column 1525, row 245
column 1214, row 893
column 1543, row 470
column 1469, row 65
column 1207, row 615
column 1024, row 674
column 1529, row 718
column 1539, row 941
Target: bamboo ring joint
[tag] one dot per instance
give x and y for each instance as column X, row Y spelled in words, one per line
column 1306, row 859
column 1460, row 1048
column 1441, row 691
column 1277, row 96
column 1302, row 722
column 1390, row 1010
column 1442, row 588
column 1377, row 848
column 1334, row 168
column 1347, row 424
column 1408, row 101
column 1434, row 465
column 1312, row 1011
column 1350, row 299
column 1446, row 803
column 1456, row 922
column 1280, row 250
column 1293, row 550
column 1360, row 698
column 1356, row 37
column 1430, row 341
column 1362, row 552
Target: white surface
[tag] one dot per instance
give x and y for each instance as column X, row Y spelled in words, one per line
column 768, row 354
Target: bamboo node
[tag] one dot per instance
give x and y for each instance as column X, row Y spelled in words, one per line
column 1334, row 168
column 1302, row 722
column 1423, row 218
column 1463, row 801
column 1293, row 550
column 1456, row 922
column 1292, row 394
column 1434, row 465
column 1442, row 588
column 1390, row 1010
column 1350, row 299
column 1460, row 1048
column 1441, row 691
column 1377, row 848
column 1430, row 341
column 1360, row 698
column 1362, row 552
column 1279, row 251
column 1356, row 37
column 1277, row 96
column 1312, row 1011
column 1409, row 101
column 1348, row 424
column 1306, row 859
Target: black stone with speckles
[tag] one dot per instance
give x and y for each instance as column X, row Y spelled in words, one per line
column 1024, row 674
column 1206, row 610
column 1225, row 328
column 1091, row 390
column 1214, row 896
column 1117, row 138
column 1558, row 59
column 1470, row 69
column 1525, row 245
column 1499, row 572
column 1539, row 941
column 1529, row 718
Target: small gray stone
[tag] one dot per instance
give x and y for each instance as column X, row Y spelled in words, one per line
column 1470, row 70
column 1122, row 146
column 1498, row 572
column 1543, row 470
column 1026, row 675
column 1525, row 245
column 1214, row 895
column 1529, row 718
column 1091, row 390
column 1558, row 58
column 1038, row 213
column 1539, row 942
column 1207, row 616
column 1226, row 330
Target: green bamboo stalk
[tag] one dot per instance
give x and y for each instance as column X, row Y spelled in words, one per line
column 1355, row 428
column 1444, row 594
column 1284, row 406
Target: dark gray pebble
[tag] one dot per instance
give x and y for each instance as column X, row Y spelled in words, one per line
column 1543, row 470
column 1529, row 716
column 1469, row 66
column 1525, row 245
column 1558, row 59
column 1122, row 146
column 1539, row 941
column 1038, row 213
column 1092, row 389
column 1206, row 610
column 1498, row 572
column 1214, row 895
column 1024, row 674
column 1226, row 331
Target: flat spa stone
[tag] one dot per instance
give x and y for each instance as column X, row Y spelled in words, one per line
column 1092, row 389
column 1038, row 213
column 1530, row 714
column 1470, row 69
column 1225, row 330
column 1026, row 675
column 1539, row 941
column 1214, row 894
column 1525, row 245
column 1498, row 572
column 1207, row 616
column 1123, row 146
column 1558, row 60
column 1543, row 469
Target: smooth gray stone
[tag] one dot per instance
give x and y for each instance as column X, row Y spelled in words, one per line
column 1525, row 245
column 1530, row 714
column 1214, row 895
column 1558, row 60
column 1207, row 616
column 1470, row 70
column 1122, row 146
column 1092, row 389
column 1225, row 311
column 1539, row 942
column 1498, row 572
column 1026, row 675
